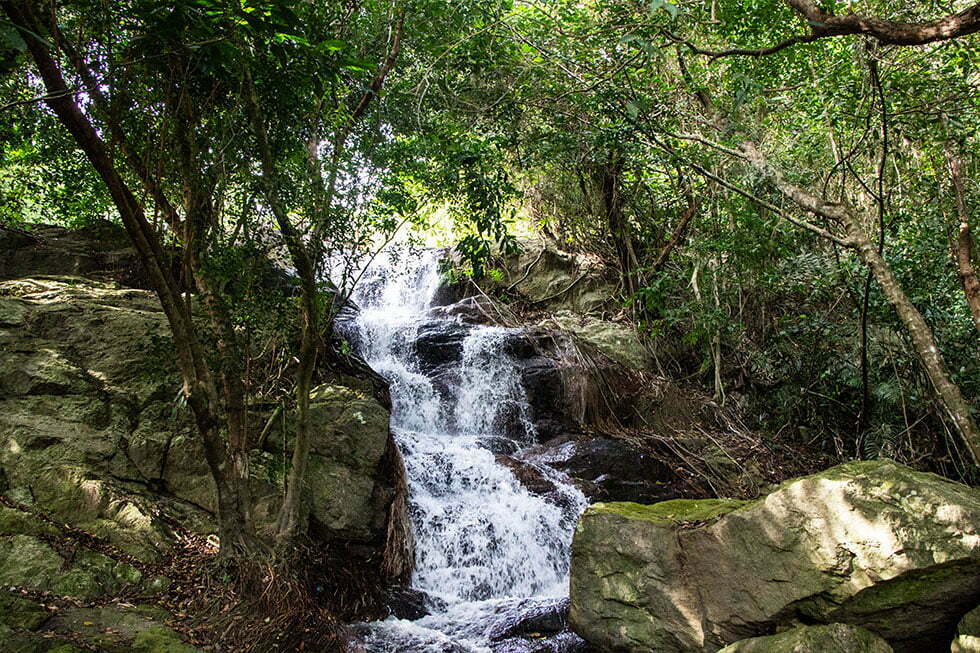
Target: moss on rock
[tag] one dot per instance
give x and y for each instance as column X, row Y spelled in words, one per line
column 668, row 512
column 872, row 543
column 832, row 638
column 19, row 613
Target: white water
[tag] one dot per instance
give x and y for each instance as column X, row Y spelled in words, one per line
column 485, row 546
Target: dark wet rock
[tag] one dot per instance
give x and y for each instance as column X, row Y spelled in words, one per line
column 409, row 603
column 548, row 619
column 542, row 381
column 561, row 643
column 532, row 478
column 439, row 344
column 606, row 469
column 539, row 629
column 470, row 310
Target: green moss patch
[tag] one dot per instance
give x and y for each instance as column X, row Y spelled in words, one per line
column 670, row 512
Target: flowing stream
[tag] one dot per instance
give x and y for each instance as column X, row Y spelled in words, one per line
column 489, row 553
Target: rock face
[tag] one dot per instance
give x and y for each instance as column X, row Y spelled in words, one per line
column 834, row 638
column 872, row 544
column 551, row 279
column 92, row 433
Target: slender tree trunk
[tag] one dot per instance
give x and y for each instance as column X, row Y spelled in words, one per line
column 679, row 232
column 305, row 262
column 199, row 388
column 952, row 400
column 919, row 332
column 612, row 200
column 963, row 244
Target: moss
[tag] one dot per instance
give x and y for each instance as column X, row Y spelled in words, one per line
column 668, row 512
column 160, row 639
column 919, row 586
column 17, row 522
column 21, row 613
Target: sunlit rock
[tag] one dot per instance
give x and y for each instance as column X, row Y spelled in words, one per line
column 873, row 544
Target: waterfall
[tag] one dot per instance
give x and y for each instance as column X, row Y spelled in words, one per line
column 487, row 549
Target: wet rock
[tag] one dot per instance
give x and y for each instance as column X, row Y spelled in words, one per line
column 606, row 469
column 470, row 310
column 542, row 381
column 547, row 619
column 834, row 638
column 872, row 544
column 438, row 344
column 560, row 643
column 528, row 475
column 409, row 603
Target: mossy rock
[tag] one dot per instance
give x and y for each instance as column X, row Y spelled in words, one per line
column 674, row 511
column 28, row 562
column 160, row 639
column 833, row 638
column 117, row 628
column 18, row 522
column 617, row 341
column 12, row 641
column 968, row 633
column 19, row 613
column 873, row 544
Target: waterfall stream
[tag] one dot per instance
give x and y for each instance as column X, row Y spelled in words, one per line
column 488, row 551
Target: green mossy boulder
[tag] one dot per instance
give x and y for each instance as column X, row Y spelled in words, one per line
column 832, row 638
column 29, row 562
column 873, row 544
column 617, row 341
column 122, row 628
column 20, row 613
column 556, row 280
column 160, row 639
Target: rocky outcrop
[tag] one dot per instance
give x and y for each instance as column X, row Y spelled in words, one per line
column 872, row 544
column 833, row 638
column 95, row 441
column 547, row 278
column 29, row 627
column 92, row 430
column 605, row 469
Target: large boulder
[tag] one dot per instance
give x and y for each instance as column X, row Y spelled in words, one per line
column 616, row 340
column 873, row 544
column 833, row 638
column 93, row 432
column 349, row 485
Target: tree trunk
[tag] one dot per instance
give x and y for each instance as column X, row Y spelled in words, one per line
column 963, row 244
column 956, row 407
column 921, row 335
column 199, row 388
column 611, row 175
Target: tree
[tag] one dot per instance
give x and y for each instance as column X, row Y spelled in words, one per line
column 823, row 113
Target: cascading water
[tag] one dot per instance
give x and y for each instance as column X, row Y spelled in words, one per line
column 487, row 549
